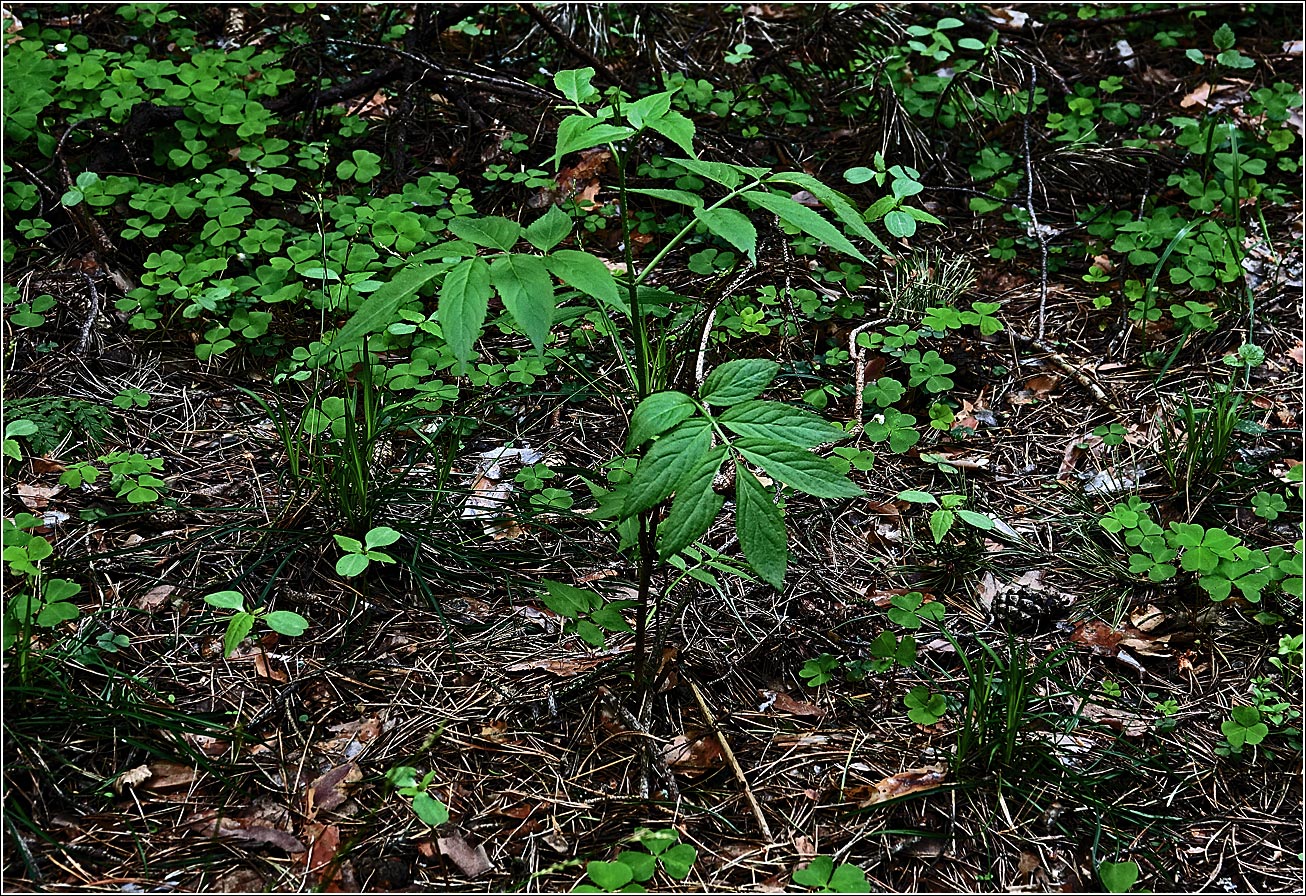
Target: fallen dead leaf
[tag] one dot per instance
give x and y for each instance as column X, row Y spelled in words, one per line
column 1298, row 353
column 913, row 780
column 693, row 753
column 472, row 861
column 332, row 789
column 37, row 497
column 132, row 777
column 353, row 737
column 785, row 703
column 155, row 599
column 167, row 775
column 246, row 830
column 566, row 667
column 273, row 670
column 1128, row 723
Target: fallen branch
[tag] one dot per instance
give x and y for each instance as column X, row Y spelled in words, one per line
column 734, row 763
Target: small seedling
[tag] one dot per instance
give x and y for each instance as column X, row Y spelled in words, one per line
column 1244, row 727
column 823, row 876
column 632, row 868
column 1118, row 877
column 283, row 622
column 428, row 808
column 360, row 554
column 819, row 670
column 923, row 706
column 911, row 611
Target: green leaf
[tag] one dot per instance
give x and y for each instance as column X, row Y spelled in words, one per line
column 430, row 810
column 916, row 497
column 610, row 618
column 351, row 565
column 670, row 458
column 575, row 84
column 284, row 622
column 693, row 200
column 678, row 860
column 677, row 128
column 527, row 290
column 1223, row 38
column 658, row 413
column 1118, row 877
column 816, row 874
column 464, row 300
column 53, row 614
column 900, row 224
column 835, row 201
column 798, row 469
column 641, row 864
column 566, row 600
column 21, row 428
column 940, row 523
column 492, row 231
column 729, row 176
column 378, row 310
column 849, row 879
column 60, row 589
column 978, row 520
column 577, row 132
column 225, row 600
column 237, row 629
column 732, row 226
column 585, row 272
column 806, row 220
column 736, row 381
column 761, row 529
column 778, row 422
column 345, row 543
column 609, row 875
column 643, row 110
column 549, row 229
column 380, row 536
column 695, row 506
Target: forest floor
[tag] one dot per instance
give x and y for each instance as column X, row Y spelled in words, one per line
column 773, row 737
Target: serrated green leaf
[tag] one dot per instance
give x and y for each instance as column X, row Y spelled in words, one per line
column 658, row 413
column 778, row 422
column 284, row 622
column 729, row 176
column 491, row 231
column 549, row 229
column 916, row 497
column 677, row 128
column 226, row 600
column 835, row 201
column 693, row 200
column 695, row 506
column 671, row 457
column 352, row 545
column 733, row 227
column 577, row 132
column 940, row 523
column 567, row 600
column 736, row 381
column 849, row 879
column 524, row 284
column 610, row 618
column 761, row 529
column 464, row 300
column 239, row 626
column 575, row 84
column 378, row 310
column 645, row 109
column 585, row 272
column 806, row 220
column 798, row 469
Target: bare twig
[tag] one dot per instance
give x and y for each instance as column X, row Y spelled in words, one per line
column 734, row 763
column 570, row 45
column 1035, row 229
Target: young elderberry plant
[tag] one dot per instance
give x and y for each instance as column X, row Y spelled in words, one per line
column 283, row 622
column 358, row 555
column 949, row 510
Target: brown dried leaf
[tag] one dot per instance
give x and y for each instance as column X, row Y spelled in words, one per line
column 913, row 780
column 132, row 777
column 37, row 497
column 1042, row 385
column 567, row 667
column 1099, row 637
column 331, row 789
column 785, row 703
column 246, row 830
column 43, row 466
column 471, row 860
column 273, row 670
column 325, row 840
column 166, row 775
column 1298, row 353
column 693, row 753
column 155, row 599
